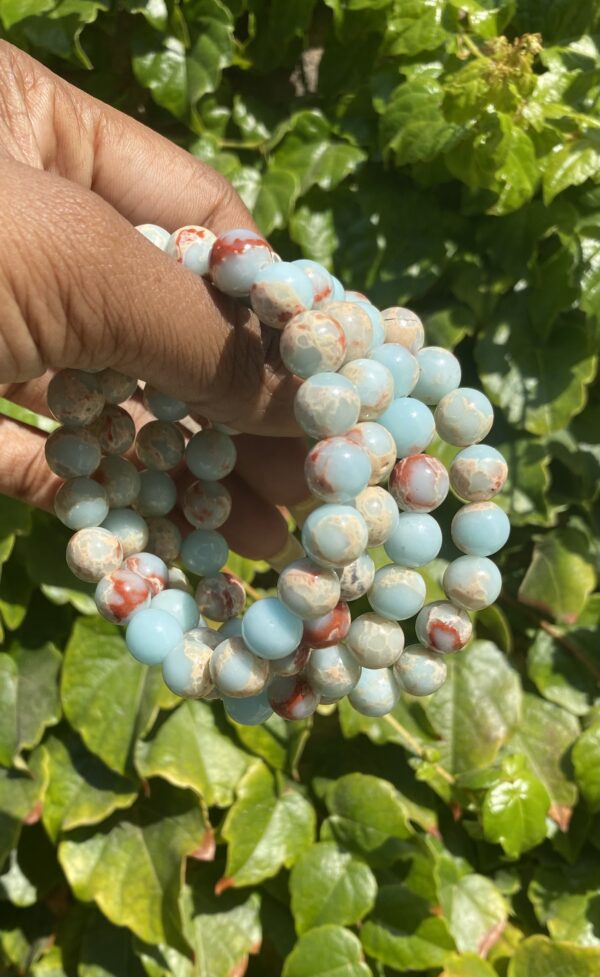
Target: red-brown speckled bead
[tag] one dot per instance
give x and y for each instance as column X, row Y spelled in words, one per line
column 419, row 483
column 328, row 629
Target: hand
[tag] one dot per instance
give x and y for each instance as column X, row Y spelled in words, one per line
column 80, row 287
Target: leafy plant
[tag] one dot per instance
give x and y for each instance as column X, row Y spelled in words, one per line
column 442, row 154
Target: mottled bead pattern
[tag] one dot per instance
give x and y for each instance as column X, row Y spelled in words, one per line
column 312, row 342
column 375, row 641
column 279, row 292
column 326, row 405
column 151, row 568
column 464, row 416
column 478, row 473
column 115, row 430
column 380, row 513
column 356, row 578
column 439, row 374
column 160, row 445
column 320, row 280
column 164, row 538
column 374, row 315
column 379, row 445
column 308, row 590
column 231, row 629
column 292, row 664
column 472, row 582
column 178, row 579
column 443, row 627
column 320, row 632
column 356, row 324
column 120, row 594
column 480, row 529
column 74, row 398
column 375, row 385
column 411, row 425
column 191, row 246
column 204, row 552
column 206, row 505
column 376, row 692
column 130, row 527
column 403, row 327
column 415, row 541
column 151, row 635
column 237, row 672
column 163, row 407
column 120, row 479
column 186, row 669
column 211, row 455
column 251, row 711
column 115, row 386
column 337, row 470
column 270, row 629
column 402, row 365
column 236, row 258
column 397, row 593
column 334, row 535
column 209, row 636
column 420, row 671
column 72, row 452
column 93, row 553
column 156, row 235
column 157, row 494
column 293, row 698
column 419, row 483
column 80, row 503
column 221, row 597
column 332, row 671
column 179, row 605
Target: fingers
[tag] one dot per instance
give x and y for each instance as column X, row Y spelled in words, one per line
column 255, row 529
column 24, row 473
column 273, row 467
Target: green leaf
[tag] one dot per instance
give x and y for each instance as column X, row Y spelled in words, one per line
column 311, row 154
column 368, row 816
column 275, row 199
column 28, row 698
column 447, row 326
column 565, row 900
column 132, row 865
column 314, row 231
column 413, row 125
column 189, row 750
column 477, row 708
column 278, row 24
column 81, row 789
column 475, row 909
column 467, row 965
column 275, row 741
column 540, row 957
column 221, row 929
column 525, row 494
column 329, row 951
column 586, row 762
column 328, row 885
column 558, row 674
column 21, row 794
column 570, row 165
column 269, row 825
column 108, row 697
column 403, row 933
column 107, row 950
column 15, row 516
column 589, row 242
column 515, row 808
column 560, row 576
column 415, row 27
column 13, row 11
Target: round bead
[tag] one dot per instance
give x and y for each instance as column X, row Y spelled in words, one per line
column 164, row 539
column 356, row 578
column 403, row 327
column 439, row 374
column 292, row 664
column 191, row 246
column 478, row 472
column 72, row 452
column 443, row 627
column 326, row 405
column 151, row 568
column 351, row 295
column 236, row 258
column 120, row 594
column 333, row 671
column 163, row 407
column 186, row 669
column 339, row 292
column 411, row 425
column 157, row 495
column 416, row 540
column 376, row 692
column 279, row 292
column 221, row 597
column 235, row 671
column 374, row 315
column 115, row 430
column 178, row 580
column 115, row 386
column 420, row 671
column 334, row 535
column 251, row 711
column 270, row 629
column 80, row 503
column 356, row 324
column 472, row 582
column 120, row 479
column 206, row 505
column 320, row 632
column 231, row 628
column 380, row 446
column 336, row 470
column 157, row 236
column 397, row 593
column 131, row 529
column 375, row 641
column 464, row 416
column 380, row 513
column 375, row 385
column 151, row 635
column 209, row 636
column 320, row 279
column 204, row 552
column 160, row 445
column 211, row 455
column 312, row 342
column 292, row 697
column 419, row 483
column 308, row 590
column 74, row 398
column 480, row 529
column 92, row 553
column 402, row 365
column 180, row 605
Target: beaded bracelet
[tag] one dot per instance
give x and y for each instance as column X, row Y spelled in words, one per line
column 369, row 385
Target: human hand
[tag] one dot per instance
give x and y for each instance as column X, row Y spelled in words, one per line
column 80, row 287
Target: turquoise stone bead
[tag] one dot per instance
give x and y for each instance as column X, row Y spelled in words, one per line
column 151, row 634
column 204, row 552
column 191, row 246
column 337, row 470
column 375, row 385
column 181, row 606
column 397, row 593
column 157, row 494
column 480, row 529
column 186, row 668
column 416, row 540
column 206, row 505
column 92, row 553
column 160, row 445
column 252, row 711
column 338, row 290
column 115, row 386
column 75, row 398
column 376, row 321
column 321, row 281
column 332, row 671
column 356, row 577
column 129, row 527
column 151, row 568
column 376, row 692
column 157, row 236
column 419, row 483
column 72, row 452
column 326, row 405
column 270, row 630
column 404, row 327
column 402, row 365
column 439, row 374
column 312, row 342
column 211, row 455
column 356, row 323
column 308, row 590
column 478, row 473
column 164, row 538
column 420, row 671
column 80, row 503
column 236, row 671
column 334, row 535
column 375, row 641
column 410, row 423
column 279, row 292
column 121, row 480
column 380, row 512
column 163, row 407
column 472, row 582
column 236, row 258
column 380, row 446
column 231, row 628
column 443, row 627
column 115, row 430
column 464, row 416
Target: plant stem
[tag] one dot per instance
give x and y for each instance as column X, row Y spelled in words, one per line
column 415, row 747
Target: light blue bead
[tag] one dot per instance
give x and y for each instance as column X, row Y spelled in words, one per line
column 163, row 407
column 320, row 279
column 380, row 512
column 236, row 258
column 357, row 577
column 72, row 452
column 335, row 535
column 402, row 365
column 74, row 397
column 270, row 630
column 151, row 634
column 480, row 529
column 159, row 444
column 204, row 552
column 181, row 606
column 375, row 385
column 251, row 711
column 326, row 405
column 332, row 671
column 420, row 671
column 380, row 446
column 411, row 425
column 186, row 667
column 477, row 473
column 157, row 494
column 376, row 692
column 157, row 236
column 279, row 292
column 472, row 582
column 151, row 568
column 231, row 628
column 121, row 480
column 80, row 503
column 337, row 470
column 129, row 527
column 211, row 455
column 416, row 540
column 312, row 342
column 464, row 416
column 376, row 321
column 338, row 290
column 397, row 593
column 439, row 374
column 236, row 671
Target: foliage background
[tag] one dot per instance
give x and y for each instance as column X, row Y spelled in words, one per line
column 443, row 154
